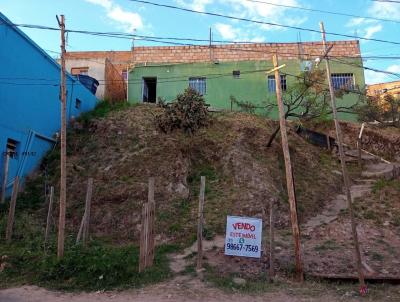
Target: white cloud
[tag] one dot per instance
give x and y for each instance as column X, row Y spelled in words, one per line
column 359, row 22
column 372, row 77
column 366, row 28
column 385, row 10
column 128, row 20
column 394, row 68
column 107, row 4
column 372, row 30
column 227, row 31
column 199, row 5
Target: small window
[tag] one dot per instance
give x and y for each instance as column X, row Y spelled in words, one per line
column 79, row 70
column 12, row 148
column 236, row 74
column 124, row 75
column 78, row 103
column 343, row 81
column 198, row 84
column 272, row 85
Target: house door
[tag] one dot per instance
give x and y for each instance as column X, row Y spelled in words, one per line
column 149, row 90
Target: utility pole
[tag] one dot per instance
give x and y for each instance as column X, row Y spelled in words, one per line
column 289, row 174
column 63, row 179
column 343, row 164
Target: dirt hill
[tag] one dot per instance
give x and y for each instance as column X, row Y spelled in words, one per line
column 124, row 149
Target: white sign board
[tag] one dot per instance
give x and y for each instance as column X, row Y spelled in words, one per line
column 243, row 237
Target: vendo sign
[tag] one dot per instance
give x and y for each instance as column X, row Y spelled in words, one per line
column 243, row 236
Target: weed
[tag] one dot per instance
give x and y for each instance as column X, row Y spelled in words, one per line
column 377, row 257
column 327, row 245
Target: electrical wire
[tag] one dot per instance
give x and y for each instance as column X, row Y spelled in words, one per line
column 323, row 11
column 261, row 22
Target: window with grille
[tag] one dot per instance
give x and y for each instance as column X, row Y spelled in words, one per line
column 343, row 81
column 272, row 85
column 198, row 84
column 78, row 103
column 11, row 148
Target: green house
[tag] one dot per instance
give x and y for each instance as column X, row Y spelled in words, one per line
column 243, row 75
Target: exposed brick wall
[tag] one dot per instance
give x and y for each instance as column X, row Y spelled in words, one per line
column 115, row 86
column 237, row 52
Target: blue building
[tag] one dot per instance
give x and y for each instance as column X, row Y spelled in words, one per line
column 30, row 109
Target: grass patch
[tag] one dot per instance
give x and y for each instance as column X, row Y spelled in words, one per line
column 102, row 109
column 327, row 245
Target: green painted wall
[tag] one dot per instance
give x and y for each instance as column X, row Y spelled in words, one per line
column 251, row 86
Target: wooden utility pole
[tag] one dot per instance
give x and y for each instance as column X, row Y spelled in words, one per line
column 343, row 163
column 11, row 212
column 200, row 224
column 63, row 179
column 50, row 210
column 289, row 174
column 5, row 176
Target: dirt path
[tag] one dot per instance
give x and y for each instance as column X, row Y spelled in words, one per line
column 180, row 289
column 363, row 186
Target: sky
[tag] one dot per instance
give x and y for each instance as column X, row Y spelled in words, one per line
column 143, row 19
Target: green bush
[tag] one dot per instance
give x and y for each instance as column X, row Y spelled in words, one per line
column 189, row 112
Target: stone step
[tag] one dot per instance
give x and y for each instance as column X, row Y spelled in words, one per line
column 380, row 170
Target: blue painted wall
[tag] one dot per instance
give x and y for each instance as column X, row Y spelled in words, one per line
column 30, row 109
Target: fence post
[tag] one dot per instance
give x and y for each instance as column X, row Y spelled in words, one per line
column 85, row 235
column 48, row 222
column 84, row 227
column 200, row 224
column 5, row 177
column 146, row 257
column 11, row 213
column 271, row 240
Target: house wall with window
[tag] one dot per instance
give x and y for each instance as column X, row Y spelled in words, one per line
column 30, row 108
column 245, row 80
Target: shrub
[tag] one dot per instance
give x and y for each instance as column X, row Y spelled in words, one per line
column 188, row 112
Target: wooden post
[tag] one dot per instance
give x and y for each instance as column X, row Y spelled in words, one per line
column 359, row 147
column 11, row 213
column 147, row 231
column 63, row 159
column 84, row 227
column 271, row 240
column 5, row 177
column 328, row 142
column 48, row 223
column 289, row 174
column 343, row 163
column 85, row 236
column 200, row 224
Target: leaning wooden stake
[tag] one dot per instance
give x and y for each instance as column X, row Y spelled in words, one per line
column 200, row 224
column 84, row 227
column 271, row 240
column 48, row 222
column 343, row 164
column 359, row 147
column 146, row 257
column 289, row 174
column 85, row 236
column 11, row 213
column 5, row 177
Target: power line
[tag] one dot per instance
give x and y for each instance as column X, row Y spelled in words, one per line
column 323, row 11
column 261, row 22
